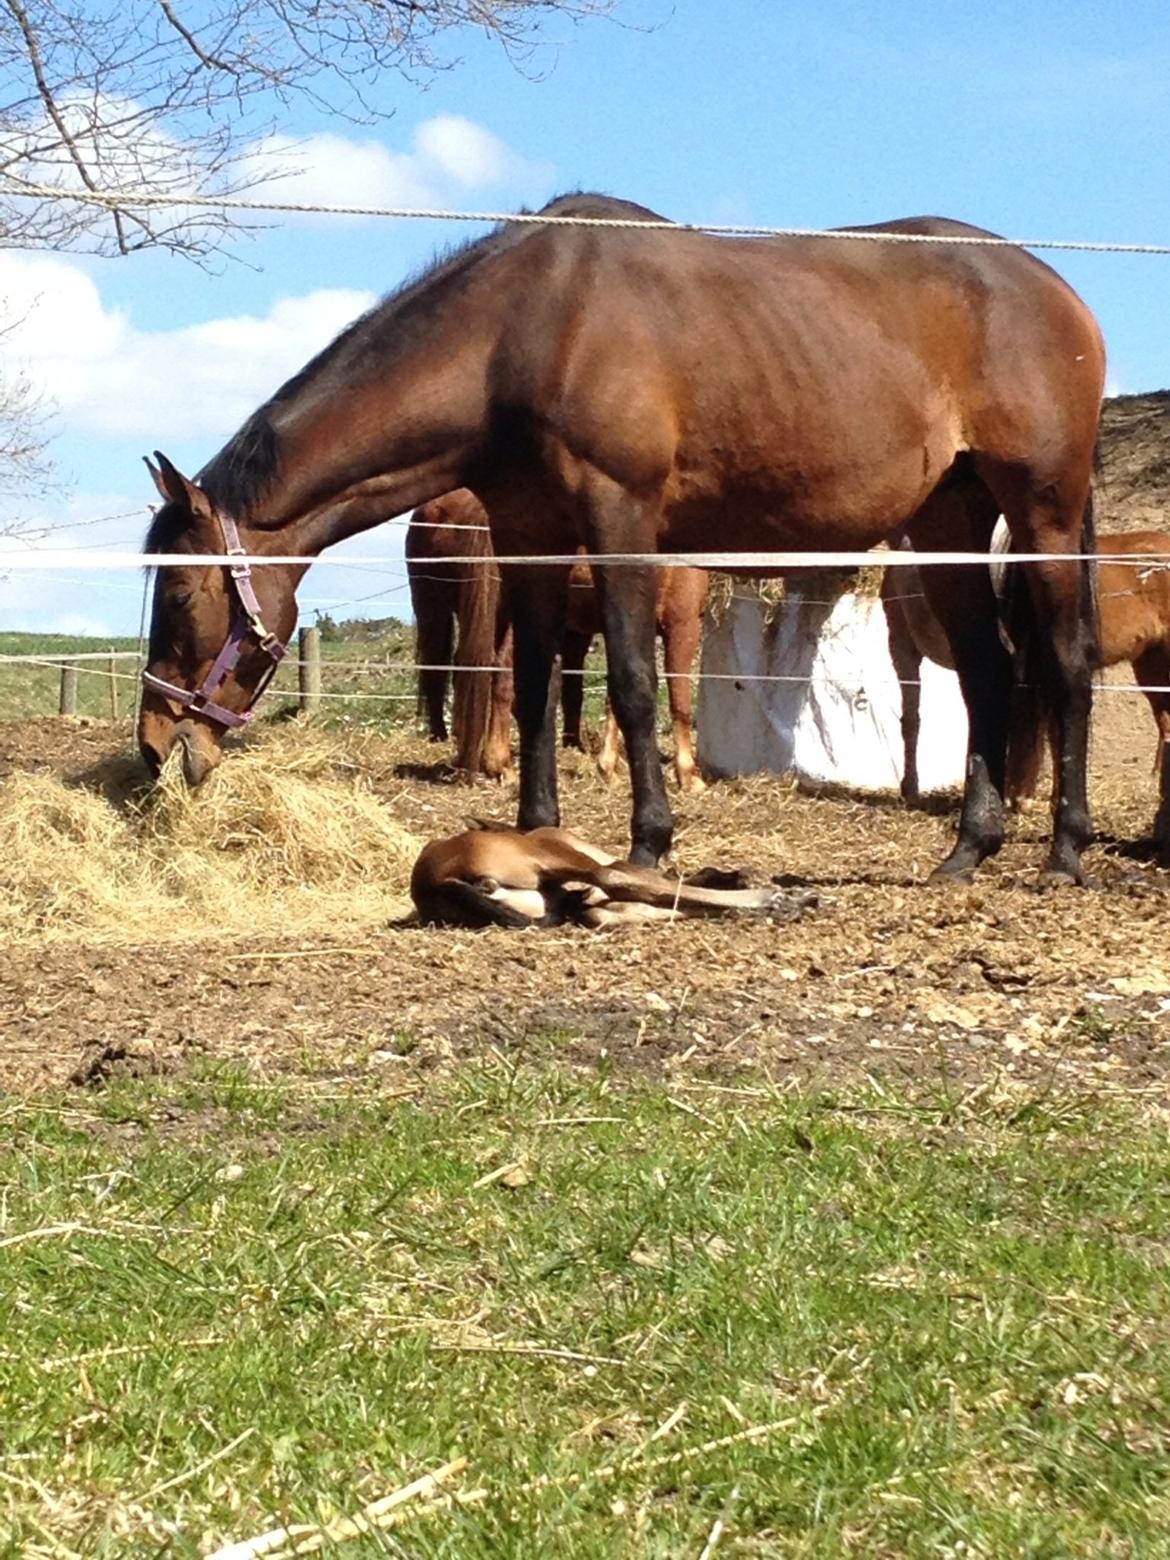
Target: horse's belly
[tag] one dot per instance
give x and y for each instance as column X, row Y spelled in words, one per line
column 833, row 483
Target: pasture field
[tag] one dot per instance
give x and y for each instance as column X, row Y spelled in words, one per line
column 364, row 669
column 866, row 1325
column 848, row 1232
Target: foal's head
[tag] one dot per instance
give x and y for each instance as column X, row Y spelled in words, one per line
column 211, row 651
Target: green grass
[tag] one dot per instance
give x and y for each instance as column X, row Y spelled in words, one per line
column 960, row 1324
column 366, row 677
column 29, row 691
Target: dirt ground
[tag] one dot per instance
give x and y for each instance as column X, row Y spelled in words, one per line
column 993, row 988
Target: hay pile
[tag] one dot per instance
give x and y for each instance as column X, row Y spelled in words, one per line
column 285, row 835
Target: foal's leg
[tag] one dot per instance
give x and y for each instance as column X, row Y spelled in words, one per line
column 1152, row 670
column 536, row 603
column 961, row 516
column 620, row 523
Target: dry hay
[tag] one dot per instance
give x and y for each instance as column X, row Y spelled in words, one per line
column 285, row 835
column 773, row 591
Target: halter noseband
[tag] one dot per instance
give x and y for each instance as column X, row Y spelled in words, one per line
column 246, row 620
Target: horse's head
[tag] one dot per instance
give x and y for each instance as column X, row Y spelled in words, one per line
column 216, row 634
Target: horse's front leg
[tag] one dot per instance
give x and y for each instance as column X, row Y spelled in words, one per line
column 627, row 614
column 536, row 597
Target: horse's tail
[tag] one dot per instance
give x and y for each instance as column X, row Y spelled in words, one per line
column 1033, row 715
column 478, row 611
column 432, row 601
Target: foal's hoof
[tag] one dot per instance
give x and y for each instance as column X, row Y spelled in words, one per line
column 787, row 905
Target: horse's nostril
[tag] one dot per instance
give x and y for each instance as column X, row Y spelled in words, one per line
column 152, row 758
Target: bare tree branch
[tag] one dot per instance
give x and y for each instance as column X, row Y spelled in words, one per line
column 25, row 467
column 171, row 94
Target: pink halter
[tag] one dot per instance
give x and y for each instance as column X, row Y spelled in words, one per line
column 246, row 620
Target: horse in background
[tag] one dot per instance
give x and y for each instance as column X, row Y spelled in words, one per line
column 450, row 597
column 1133, row 624
column 456, row 624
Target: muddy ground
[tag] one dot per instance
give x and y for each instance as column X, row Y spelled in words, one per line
column 994, row 988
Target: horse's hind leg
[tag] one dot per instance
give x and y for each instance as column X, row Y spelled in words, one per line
column 681, row 632
column 434, row 603
column 574, row 649
column 908, row 670
column 611, row 744
column 960, row 516
column 1055, row 518
column 497, row 741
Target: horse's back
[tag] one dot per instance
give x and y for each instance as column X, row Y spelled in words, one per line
column 798, row 376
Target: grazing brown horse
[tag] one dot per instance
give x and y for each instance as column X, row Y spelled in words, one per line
column 633, row 391
column 446, row 596
column 492, row 876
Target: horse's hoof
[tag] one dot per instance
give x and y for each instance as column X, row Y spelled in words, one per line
column 1060, row 877
column 692, row 784
column 945, row 876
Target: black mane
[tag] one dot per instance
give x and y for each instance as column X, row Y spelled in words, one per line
column 238, row 478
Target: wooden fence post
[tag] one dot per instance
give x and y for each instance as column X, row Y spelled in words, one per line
column 309, row 670
column 68, row 701
column 113, row 668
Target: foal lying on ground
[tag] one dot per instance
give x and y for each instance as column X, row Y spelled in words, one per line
column 496, row 876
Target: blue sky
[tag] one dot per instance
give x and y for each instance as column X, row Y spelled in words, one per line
column 1040, row 120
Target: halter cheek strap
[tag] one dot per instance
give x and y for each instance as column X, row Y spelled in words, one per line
column 246, row 619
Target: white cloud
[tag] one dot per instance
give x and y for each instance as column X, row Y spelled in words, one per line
column 109, row 378
column 466, row 152
column 448, row 155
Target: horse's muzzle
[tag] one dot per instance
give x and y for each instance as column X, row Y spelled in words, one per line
column 198, row 745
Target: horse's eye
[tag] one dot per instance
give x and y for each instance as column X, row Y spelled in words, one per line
column 181, row 598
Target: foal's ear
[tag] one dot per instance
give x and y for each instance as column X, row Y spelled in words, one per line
column 176, row 489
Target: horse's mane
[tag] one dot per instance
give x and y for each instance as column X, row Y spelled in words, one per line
column 237, row 479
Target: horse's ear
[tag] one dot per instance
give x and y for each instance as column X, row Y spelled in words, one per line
column 175, row 487
column 156, row 477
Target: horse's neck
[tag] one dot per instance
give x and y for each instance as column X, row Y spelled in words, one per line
column 374, row 447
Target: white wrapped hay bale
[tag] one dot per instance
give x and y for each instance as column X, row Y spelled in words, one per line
column 832, row 711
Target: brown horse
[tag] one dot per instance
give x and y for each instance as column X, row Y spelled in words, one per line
column 446, row 596
column 634, row 391
column 493, row 876
column 465, row 596
column 1133, row 623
